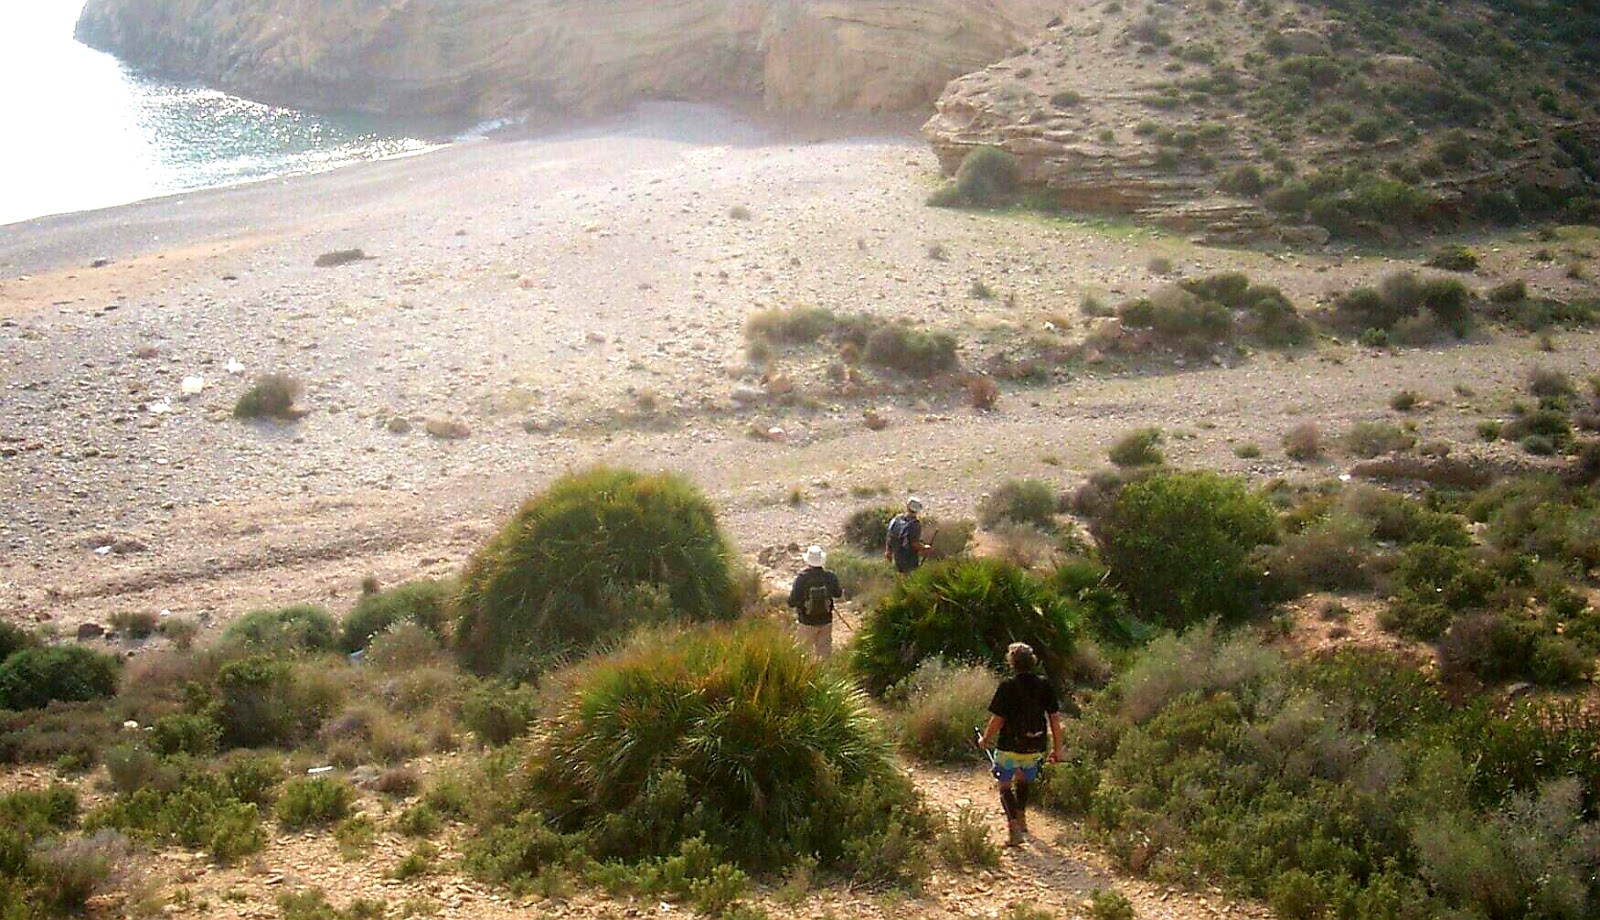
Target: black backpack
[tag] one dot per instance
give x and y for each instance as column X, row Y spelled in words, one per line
column 819, row 604
column 899, row 534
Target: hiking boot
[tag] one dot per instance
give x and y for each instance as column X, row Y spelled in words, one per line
column 1015, row 834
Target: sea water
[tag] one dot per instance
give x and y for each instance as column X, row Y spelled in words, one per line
column 80, row 130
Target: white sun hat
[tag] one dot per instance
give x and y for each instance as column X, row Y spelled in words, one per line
column 913, row 504
column 815, row 556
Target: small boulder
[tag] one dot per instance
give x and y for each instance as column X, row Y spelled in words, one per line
column 446, row 429
column 88, row 632
column 339, row 257
column 398, row 425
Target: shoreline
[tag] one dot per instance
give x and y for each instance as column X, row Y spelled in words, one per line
column 64, row 240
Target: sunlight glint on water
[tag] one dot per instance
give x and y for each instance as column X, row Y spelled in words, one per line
column 83, row 131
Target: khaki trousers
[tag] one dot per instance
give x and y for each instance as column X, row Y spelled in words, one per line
column 818, row 640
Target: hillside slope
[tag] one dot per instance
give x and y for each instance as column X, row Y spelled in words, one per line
column 1340, row 115
column 497, row 57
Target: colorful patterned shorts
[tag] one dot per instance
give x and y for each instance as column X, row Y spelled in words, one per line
column 1009, row 766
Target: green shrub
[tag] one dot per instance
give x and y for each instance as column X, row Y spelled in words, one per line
column 181, row 733
column 193, row 809
column 792, row 326
column 314, row 801
column 904, row 348
column 867, row 529
column 1496, row 648
column 499, row 712
column 1512, row 292
column 259, row 703
column 425, row 603
column 1454, row 258
column 943, row 704
column 1138, row 448
column 963, row 610
column 420, row 820
column 14, row 638
column 252, row 778
column 965, row 841
column 597, row 554
column 1020, row 501
column 732, row 736
column 1547, row 383
column 300, row 628
column 1180, row 319
column 33, row 678
column 1458, row 578
column 271, row 396
column 1371, row 439
column 988, row 176
column 1450, row 303
column 1334, row 554
column 1181, row 545
column 863, row 578
column 1106, row 904
column 133, row 624
column 1303, row 442
column 1532, row 857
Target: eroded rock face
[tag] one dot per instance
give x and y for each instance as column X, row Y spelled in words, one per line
column 496, row 57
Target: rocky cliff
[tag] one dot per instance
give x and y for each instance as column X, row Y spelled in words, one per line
column 497, row 57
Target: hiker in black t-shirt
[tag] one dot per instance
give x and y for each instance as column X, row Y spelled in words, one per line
column 903, row 544
column 1026, row 718
column 812, row 597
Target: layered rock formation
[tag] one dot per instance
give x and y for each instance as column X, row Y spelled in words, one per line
column 498, row 57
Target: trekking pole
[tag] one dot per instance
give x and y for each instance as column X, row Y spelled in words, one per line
column 977, row 742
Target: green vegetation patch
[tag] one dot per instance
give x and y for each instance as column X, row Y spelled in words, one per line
column 597, row 554
column 963, row 610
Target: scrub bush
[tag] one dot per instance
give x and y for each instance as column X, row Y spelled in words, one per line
column 917, row 352
column 1337, row 785
column 597, row 554
column 425, row 603
column 963, row 610
column 987, row 176
column 1019, row 501
column 196, row 809
column 1370, row 439
column 263, row 702
column 33, row 678
column 300, row 628
column 14, row 638
column 1181, row 547
column 271, row 396
column 730, row 736
column 868, row 528
column 1454, row 258
column 498, row 713
column 316, row 800
column 1138, row 448
column 943, row 703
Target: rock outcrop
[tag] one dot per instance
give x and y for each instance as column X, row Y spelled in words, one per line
column 500, row 57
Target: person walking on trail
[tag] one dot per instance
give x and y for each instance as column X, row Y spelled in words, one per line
column 1024, row 731
column 812, row 597
column 903, row 543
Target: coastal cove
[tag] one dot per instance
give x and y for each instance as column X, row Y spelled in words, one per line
column 88, row 131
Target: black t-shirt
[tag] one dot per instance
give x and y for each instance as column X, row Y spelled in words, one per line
column 1025, row 703
column 800, row 594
